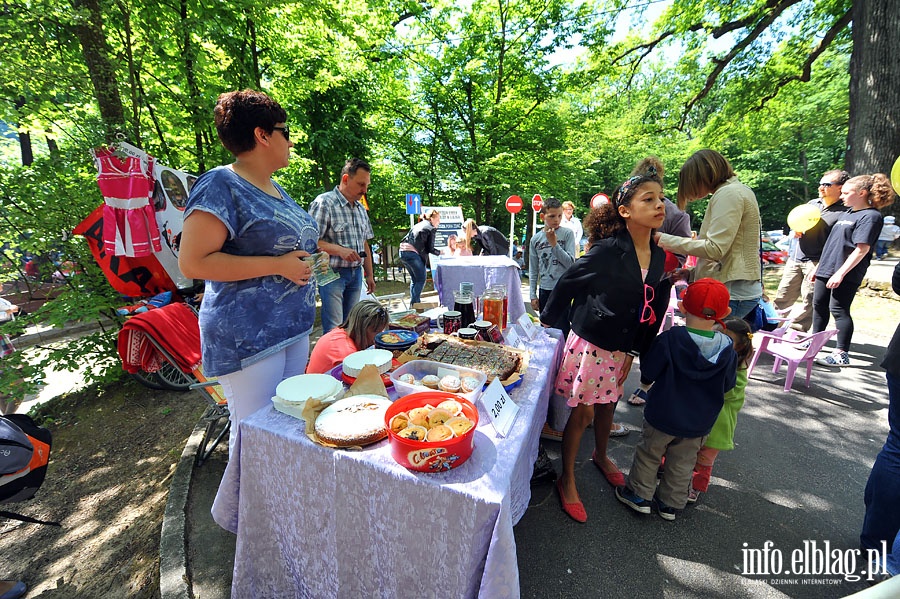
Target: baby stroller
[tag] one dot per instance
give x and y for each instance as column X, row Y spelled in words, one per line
column 168, row 338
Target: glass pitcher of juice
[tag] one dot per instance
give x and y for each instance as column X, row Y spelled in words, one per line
column 464, row 304
column 492, row 304
column 501, row 291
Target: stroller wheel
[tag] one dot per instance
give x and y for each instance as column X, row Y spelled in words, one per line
column 148, row 379
column 172, row 379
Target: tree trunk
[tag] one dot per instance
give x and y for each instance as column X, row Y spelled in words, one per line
column 132, row 74
column 254, row 53
column 25, row 148
column 873, row 136
column 89, row 31
column 52, row 147
column 194, row 104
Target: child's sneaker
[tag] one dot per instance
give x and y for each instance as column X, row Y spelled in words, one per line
column 693, row 495
column 838, row 358
column 632, row 500
column 665, row 512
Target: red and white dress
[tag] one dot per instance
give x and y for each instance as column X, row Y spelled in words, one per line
column 129, row 222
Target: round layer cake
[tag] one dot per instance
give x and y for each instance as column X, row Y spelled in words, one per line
column 297, row 389
column 357, row 420
column 354, row 363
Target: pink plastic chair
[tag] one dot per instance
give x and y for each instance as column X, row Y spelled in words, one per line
column 800, row 349
column 668, row 319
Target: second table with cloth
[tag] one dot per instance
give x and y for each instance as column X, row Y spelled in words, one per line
column 318, row 522
column 482, row 272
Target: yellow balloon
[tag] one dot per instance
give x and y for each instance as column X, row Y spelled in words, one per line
column 895, row 175
column 803, row 217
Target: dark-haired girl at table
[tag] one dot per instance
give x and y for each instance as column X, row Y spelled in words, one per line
column 614, row 298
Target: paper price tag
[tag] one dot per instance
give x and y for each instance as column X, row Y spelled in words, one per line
column 527, row 326
column 512, row 337
column 500, row 408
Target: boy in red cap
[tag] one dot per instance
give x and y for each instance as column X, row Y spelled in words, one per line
column 691, row 368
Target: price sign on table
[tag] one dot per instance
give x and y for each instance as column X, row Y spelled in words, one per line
column 500, row 408
column 528, row 327
column 512, row 337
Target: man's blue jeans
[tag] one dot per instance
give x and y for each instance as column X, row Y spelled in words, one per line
column 882, row 495
column 416, row 267
column 339, row 296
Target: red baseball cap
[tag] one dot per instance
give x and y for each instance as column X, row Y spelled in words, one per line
column 707, row 298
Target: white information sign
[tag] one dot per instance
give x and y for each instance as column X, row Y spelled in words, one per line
column 500, row 408
column 451, row 224
column 528, row 327
column 512, row 337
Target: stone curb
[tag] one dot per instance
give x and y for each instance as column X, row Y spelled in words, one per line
column 174, row 579
column 45, row 335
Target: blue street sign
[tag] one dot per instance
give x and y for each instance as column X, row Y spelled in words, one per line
column 413, row 203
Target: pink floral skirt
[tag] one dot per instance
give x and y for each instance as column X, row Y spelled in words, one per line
column 589, row 375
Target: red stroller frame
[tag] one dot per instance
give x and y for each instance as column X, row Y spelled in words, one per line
column 170, row 337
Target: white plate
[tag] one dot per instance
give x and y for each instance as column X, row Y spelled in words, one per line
column 297, row 389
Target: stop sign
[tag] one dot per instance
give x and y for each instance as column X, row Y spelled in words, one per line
column 537, row 202
column 514, row 204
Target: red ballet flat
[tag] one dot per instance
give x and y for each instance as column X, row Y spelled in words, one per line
column 575, row 510
column 616, row 479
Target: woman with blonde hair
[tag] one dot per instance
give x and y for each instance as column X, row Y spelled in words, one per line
column 492, row 241
column 414, row 250
column 366, row 319
column 727, row 247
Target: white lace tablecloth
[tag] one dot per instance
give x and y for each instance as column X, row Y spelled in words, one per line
column 482, row 272
column 318, row 522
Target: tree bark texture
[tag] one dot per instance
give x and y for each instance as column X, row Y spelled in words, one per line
column 873, row 136
column 103, row 75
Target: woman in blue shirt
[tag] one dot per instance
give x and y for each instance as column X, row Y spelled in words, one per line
column 245, row 236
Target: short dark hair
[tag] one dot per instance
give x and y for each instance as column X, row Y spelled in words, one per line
column 842, row 176
column 238, row 114
column 550, row 203
column 353, row 165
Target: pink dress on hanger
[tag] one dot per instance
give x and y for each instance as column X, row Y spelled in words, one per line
column 129, row 222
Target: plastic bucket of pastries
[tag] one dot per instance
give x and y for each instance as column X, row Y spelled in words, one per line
column 431, row 431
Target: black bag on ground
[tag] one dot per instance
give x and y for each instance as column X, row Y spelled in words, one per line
column 24, row 455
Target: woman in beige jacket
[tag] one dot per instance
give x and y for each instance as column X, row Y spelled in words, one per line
column 727, row 247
